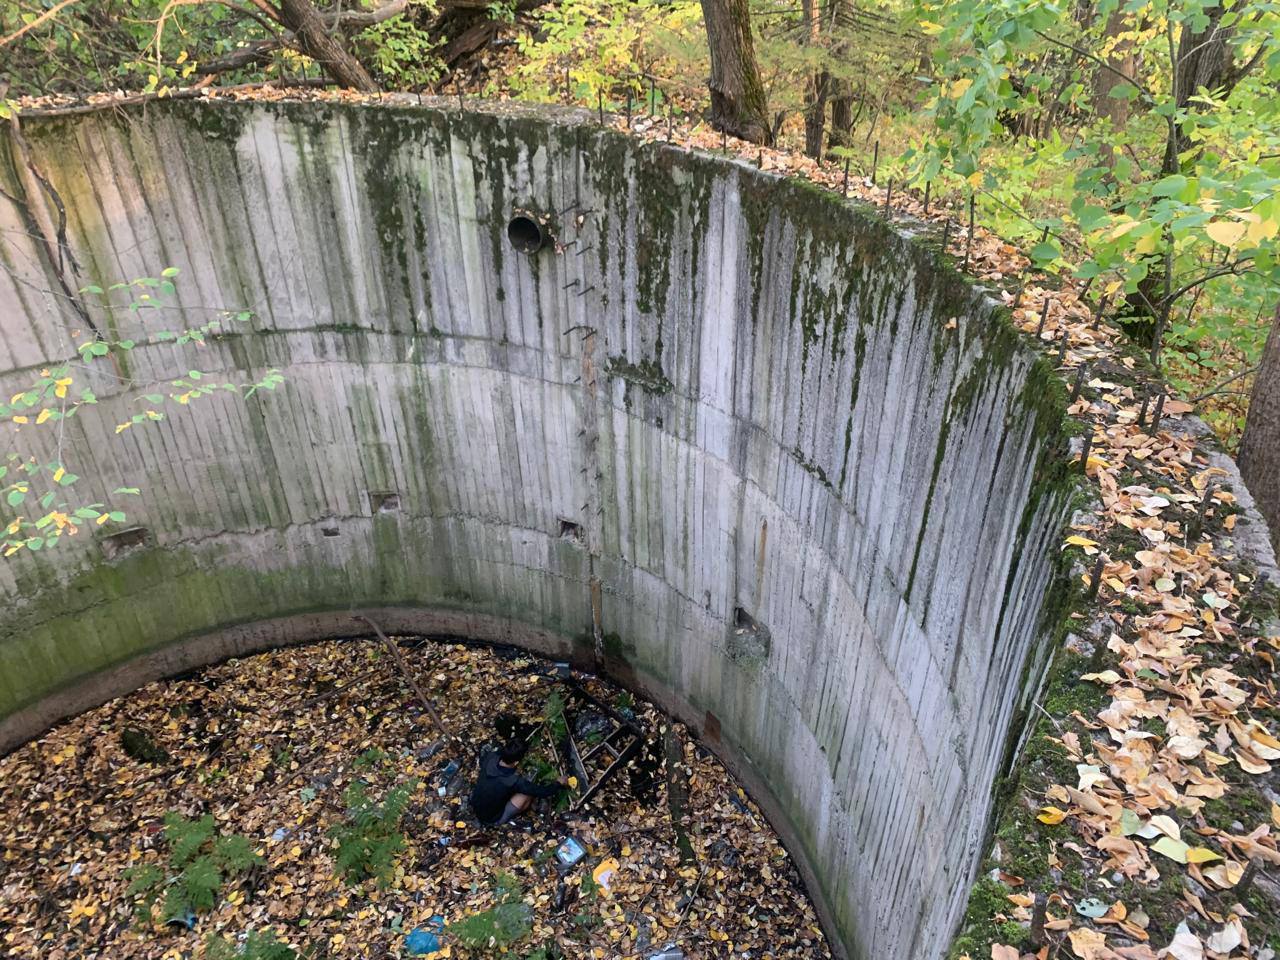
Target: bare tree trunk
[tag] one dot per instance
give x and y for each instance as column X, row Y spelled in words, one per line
column 315, row 40
column 738, row 101
column 1120, row 57
column 815, row 113
column 841, row 114
column 1202, row 59
column 815, row 94
column 1260, row 447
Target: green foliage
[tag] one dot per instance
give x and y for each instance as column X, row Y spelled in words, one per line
column 1164, row 197
column 200, row 860
column 400, row 54
column 509, row 921
column 38, row 492
column 256, row 946
column 553, row 713
column 368, row 842
column 371, row 758
column 606, row 45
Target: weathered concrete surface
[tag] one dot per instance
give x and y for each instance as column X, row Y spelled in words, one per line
column 744, row 393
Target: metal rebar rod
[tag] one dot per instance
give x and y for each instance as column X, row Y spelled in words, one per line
column 1044, row 316
column 1076, row 387
column 968, row 245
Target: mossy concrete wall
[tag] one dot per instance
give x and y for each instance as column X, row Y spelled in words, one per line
column 721, row 392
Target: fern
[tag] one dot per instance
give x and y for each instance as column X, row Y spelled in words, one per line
column 256, row 946
column 553, row 713
column 502, row 925
column 498, row 926
column 200, row 860
column 370, row 840
column 233, row 854
column 186, row 837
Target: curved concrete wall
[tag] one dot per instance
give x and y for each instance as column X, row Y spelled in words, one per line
column 724, row 392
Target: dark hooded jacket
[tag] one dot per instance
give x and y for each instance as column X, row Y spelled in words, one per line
column 497, row 784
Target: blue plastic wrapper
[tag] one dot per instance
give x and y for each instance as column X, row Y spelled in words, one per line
column 421, row 942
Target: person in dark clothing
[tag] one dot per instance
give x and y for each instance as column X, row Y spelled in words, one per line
column 500, row 793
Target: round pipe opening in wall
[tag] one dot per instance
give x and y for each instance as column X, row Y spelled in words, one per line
column 526, row 234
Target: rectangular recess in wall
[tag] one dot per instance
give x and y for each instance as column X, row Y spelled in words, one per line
column 122, row 541
column 749, row 639
column 569, row 530
column 331, row 531
column 384, row 501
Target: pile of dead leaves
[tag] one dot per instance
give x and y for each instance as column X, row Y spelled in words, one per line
column 268, row 746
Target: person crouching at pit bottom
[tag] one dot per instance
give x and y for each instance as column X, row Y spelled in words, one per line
column 500, row 793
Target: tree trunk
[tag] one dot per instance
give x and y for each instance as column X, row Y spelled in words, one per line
column 1120, row 57
column 1260, row 447
column 1202, row 59
column 738, row 102
column 815, row 93
column 815, row 113
column 841, row 114
column 315, row 40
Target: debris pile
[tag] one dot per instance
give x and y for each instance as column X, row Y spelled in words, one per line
column 305, row 795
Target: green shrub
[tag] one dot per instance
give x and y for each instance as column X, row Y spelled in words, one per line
column 509, row 921
column 256, row 946
column 200, row 859
column 368, row 842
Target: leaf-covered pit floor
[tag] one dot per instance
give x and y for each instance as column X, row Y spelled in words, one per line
column 269, row 745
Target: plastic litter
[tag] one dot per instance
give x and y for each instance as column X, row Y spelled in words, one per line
column 425, row 940
column 187, row 920
column 421, row 942
column 1092, row 908
column 447, row 775
column 604, row 873
column 279, row 834
column 570, row 852
column 668, row 953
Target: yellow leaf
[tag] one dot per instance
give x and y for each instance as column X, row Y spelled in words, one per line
column 1226, row 232
column 929, row 27
column 59, row 474
column 122, row 427
column 19, row 419
column 1124, row 228
column 102, row 518
column 958, row 87
column 1201, row 855
column 60, row 386
column 1106, row 676
column 1051, row 815
column 1261, row 231
column 1171, row 848
column 44, row 415
column 573, row 783
column 182, row 57
column 1146, row 244
column 1250, row 763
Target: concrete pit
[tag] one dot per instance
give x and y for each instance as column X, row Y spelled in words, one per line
column 740, row 445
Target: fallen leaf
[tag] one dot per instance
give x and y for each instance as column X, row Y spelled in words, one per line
column 1171, row 848
column 1051, row 815
column 1185, row 944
